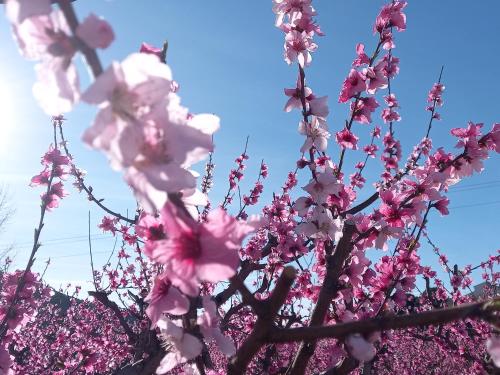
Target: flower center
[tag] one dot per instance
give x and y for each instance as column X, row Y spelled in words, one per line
column 190, row 247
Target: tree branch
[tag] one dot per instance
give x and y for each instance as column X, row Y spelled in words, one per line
column 480, row 310
column 264, row 324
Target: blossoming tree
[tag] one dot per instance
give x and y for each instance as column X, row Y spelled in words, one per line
column 197, row 290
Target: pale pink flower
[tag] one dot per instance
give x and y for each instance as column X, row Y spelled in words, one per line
column 183, row 346
column 46, row 38
column 295, row 96
column 209, row 327
column 321, row 225
column 298, row 47
column 302, row 205
column 294, row 9
column 165, row 298
column 360, row 348
column 319, row 107
column 316, row 132
column 375, row 77
column 493, row 349
column 143, row 129
column 193, row 252
column 95, row 32
column 19, row 10
column 323, row 185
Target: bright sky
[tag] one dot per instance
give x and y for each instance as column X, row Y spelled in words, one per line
column 227, row 57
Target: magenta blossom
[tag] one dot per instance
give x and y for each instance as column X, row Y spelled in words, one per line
column 193, row 252
column 346, row 139
column 152, row 50
column 353, row 85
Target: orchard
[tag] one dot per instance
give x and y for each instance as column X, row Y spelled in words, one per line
column 332, row 270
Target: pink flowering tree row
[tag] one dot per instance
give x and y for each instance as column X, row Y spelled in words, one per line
column 195, row 288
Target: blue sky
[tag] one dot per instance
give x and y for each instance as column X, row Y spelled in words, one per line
column 227, row 57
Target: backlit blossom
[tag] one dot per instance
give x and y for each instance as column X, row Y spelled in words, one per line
column 298, row 47
column 493, row 348
column 182, row 346
column 165, row 298
column 193, row 252
column 316, row 132
column 353, row 85
column 209, row 327
column 95, row 32
column 46, row 38
column 144, row 130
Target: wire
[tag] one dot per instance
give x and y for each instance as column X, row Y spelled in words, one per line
column 475, row 205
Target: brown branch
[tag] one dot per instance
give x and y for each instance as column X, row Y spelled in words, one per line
column 329, row 289
column 89, row 54
column 247, row 267
column 88, row 189
column 103, row 298
column 264, row 324
column 480, row 310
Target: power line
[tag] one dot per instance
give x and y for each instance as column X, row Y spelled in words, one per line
column 51, row 240
column 455, row 187
column 44, row 243
column 475, row 204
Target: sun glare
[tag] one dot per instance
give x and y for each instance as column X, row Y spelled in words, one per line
column 6, row 116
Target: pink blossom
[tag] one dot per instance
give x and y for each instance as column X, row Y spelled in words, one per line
column 375, row 77
column 19, row 10
column 95, row 32
column 316, row 132
column 195, row 252
column 302, row 205
column 294, row 9
column 442, row 206
column 362, row 56
column 298, row 47
column 363, row 108
column 295, row 95
column 323, row 185
column 46, row 38
column 143, row 129
column 149, row 49
column 209, row 327
column 165, row 298
column 391, row 15
column 184, row 346
column 347, row 139
column 493, row 348
column 390, row 115
column 353, row 85
column 360, row 348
